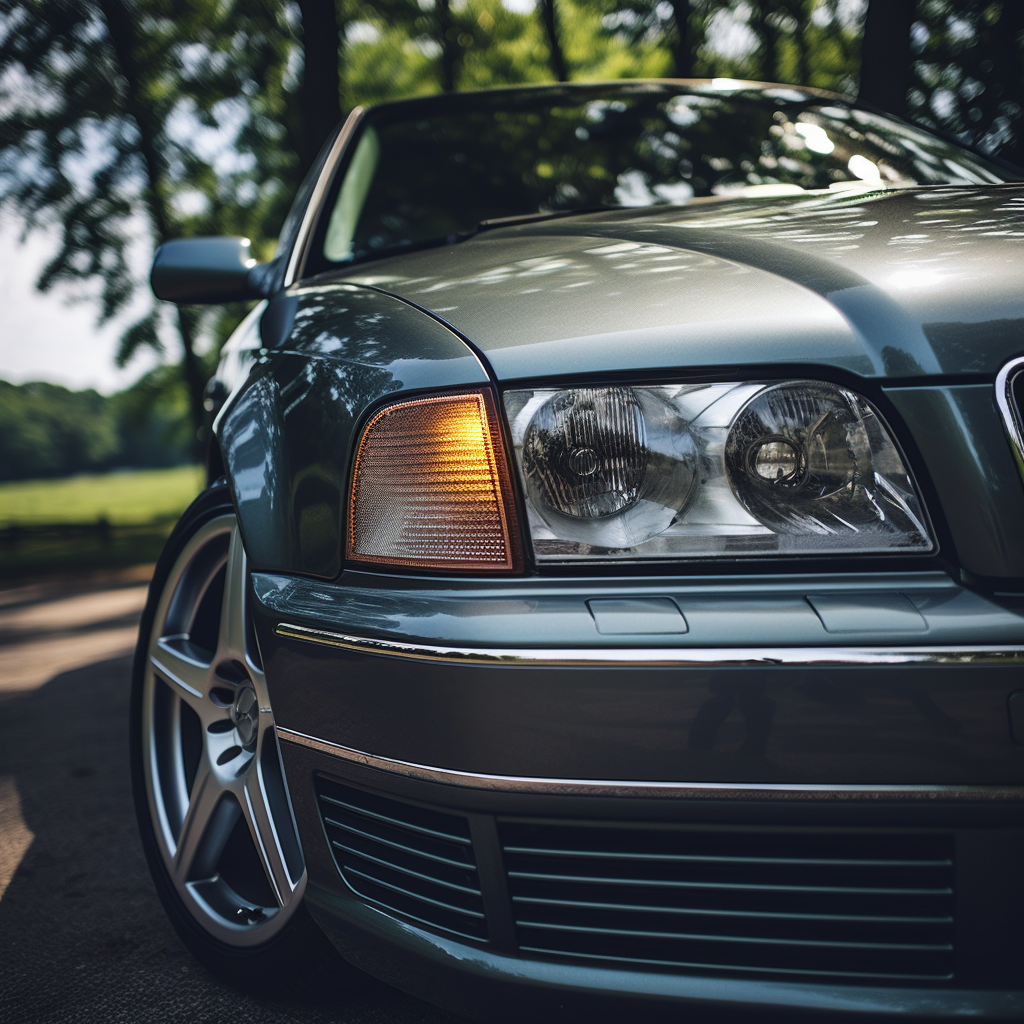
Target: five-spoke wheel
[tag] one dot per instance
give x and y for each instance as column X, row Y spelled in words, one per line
column 213, row 805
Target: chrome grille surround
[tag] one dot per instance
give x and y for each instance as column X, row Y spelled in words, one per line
column 1010, row 408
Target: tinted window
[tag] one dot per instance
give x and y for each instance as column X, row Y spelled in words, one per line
column 414, row 180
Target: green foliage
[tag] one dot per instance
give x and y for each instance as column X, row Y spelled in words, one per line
column 46, row 430
column 510, row 49
column 49, row 431
column 383, row 62
column 154, row 428
column 599, row 47
column 969, row 72
column 124, row 123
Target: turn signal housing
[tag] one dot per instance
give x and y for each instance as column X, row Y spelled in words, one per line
column 431, row 490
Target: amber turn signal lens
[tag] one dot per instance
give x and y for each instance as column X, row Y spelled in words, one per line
column 431, row 490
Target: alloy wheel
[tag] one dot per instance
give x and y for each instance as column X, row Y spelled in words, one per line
column 214, row 781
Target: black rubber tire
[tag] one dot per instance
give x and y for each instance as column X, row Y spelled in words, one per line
column 298, row 960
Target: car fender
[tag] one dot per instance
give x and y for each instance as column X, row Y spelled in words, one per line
column 287, row 433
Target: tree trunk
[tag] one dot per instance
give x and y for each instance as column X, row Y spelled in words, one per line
column 1006, row 80
column 885, row 55
column 195, row 375
column 1009, row 62
column 681, row 44
column 803, row 54
column 123, row 43
column 769, row 37
column 320, row 95
column 448, row 39
column 556, row 56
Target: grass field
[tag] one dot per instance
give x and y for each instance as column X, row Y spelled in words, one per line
column 91, row 521
column 125, row 498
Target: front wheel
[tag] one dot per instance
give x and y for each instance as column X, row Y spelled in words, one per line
column 210, row 793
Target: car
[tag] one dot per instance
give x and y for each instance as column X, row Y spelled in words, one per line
column 608, row 599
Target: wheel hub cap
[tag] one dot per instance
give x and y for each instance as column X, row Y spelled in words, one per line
column 245, row 713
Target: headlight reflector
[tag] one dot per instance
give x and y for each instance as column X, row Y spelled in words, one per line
column 585, row 452
column 697, row 470
column 610, row 466
column 814, row 458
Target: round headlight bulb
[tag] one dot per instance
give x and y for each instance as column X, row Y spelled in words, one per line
column 801, row 458
column 609, row 466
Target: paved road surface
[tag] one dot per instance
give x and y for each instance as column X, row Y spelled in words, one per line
column 82, row 935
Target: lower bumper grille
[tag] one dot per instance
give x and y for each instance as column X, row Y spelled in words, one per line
column 855, row 904
column 409, row 859
column 846, row 903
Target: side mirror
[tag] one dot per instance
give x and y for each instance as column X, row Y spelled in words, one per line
column 205, row 270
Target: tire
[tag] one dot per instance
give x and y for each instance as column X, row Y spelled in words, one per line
column 210, row 796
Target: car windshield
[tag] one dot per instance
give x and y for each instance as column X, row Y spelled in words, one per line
column 422, row 174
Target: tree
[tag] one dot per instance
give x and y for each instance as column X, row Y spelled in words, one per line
column 46, row 430
column 321, row 78
column 674, row 28
column 885, row 54
column 439, row 28
column 681, row 39
column 548, row 13
column 110, row 115
column 968, row 73
column 765, row 26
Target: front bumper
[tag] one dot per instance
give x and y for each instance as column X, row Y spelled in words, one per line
column 829, row 824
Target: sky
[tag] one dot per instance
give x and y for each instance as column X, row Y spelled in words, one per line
column 44, row 336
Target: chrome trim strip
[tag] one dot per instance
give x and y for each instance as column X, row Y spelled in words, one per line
column 669, row 657
column 687, row 790
column 297, row 258
column 1007, row 409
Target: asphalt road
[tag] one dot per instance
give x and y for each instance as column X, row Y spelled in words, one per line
column 82, row 935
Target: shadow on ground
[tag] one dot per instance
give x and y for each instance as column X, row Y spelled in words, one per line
column 82, row 935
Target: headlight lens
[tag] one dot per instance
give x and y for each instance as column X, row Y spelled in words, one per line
column 607, row 466
column 698, row 470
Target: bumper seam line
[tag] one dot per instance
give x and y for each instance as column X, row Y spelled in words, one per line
column 688, row 790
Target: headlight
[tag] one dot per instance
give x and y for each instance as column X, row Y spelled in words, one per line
column 697, row 470
column 608, row 466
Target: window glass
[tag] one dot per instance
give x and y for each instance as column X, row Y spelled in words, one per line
column 415, row 180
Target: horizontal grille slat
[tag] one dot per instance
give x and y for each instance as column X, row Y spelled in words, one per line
column 432, row 923
column 739, row 886
column 771, row 915
column 684, row 858
column 408, row 825
column 410, row 860
column 381, row 862
column 414, row 895
column 734, row 939
column 370, row 837
column 800, row 901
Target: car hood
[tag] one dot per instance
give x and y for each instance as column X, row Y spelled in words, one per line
column 897, row 284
